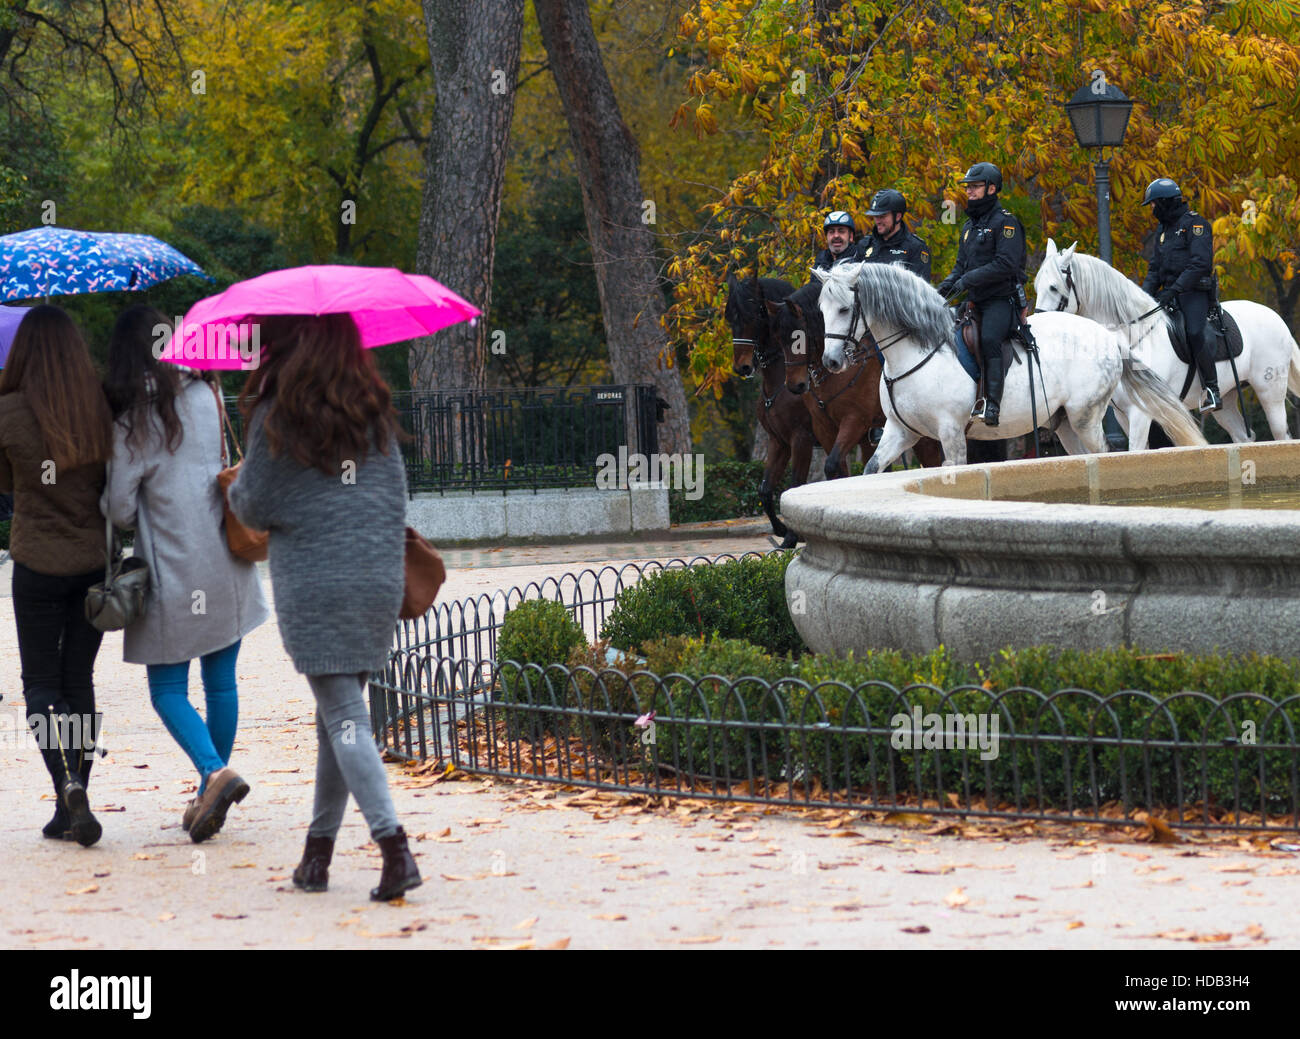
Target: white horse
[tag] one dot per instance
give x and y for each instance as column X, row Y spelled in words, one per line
column 926, row 391
column 1269, row 361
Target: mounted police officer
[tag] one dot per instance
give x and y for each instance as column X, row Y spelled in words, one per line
column 842, row 245
column 1181, row 275
column 991, row 268
column 891, row 240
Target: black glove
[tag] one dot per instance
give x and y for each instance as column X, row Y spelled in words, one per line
column 1167, row 298
column 958, row 287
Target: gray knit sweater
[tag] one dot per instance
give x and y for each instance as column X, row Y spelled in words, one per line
column 337, row 552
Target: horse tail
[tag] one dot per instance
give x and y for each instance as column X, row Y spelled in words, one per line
column 1154, row 396
column 1293, row 372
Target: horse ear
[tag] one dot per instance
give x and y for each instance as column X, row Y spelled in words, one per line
column 820, row 274
column 1051, row 249
column 1068, row 254
column 731, row 281
column 798, row 310
column 773, row 307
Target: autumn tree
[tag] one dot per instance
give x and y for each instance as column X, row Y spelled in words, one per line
column 474, row 51
column 859, row 95
column 617, row 211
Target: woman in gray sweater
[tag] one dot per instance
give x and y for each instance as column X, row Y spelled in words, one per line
column 202, row 600
column 323, row 474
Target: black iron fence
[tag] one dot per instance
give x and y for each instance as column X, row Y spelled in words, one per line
column 499, row 439
column 1195, row 760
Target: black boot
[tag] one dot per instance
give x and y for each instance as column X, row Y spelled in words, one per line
column 313, row 872
column 400, row 871
column 992, row 401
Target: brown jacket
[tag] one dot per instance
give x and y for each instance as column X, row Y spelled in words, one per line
column 57, row 526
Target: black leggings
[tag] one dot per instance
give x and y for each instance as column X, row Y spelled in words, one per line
column 1195, row 306
column 57, row 646
column 997, row 319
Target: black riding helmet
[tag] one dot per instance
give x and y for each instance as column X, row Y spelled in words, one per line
column 887, row 201
column 1160, row 188
column 983, row 173
column 839, row 218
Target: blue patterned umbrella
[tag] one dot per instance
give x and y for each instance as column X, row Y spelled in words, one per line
column 56, row 261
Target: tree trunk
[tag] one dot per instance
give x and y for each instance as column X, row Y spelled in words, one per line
column 617, row 211
column 474, row 53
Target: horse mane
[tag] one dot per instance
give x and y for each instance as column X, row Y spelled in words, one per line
column 1112, row 298
column 897, row 297
column 747, row 305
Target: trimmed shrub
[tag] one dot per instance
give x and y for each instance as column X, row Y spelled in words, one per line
column 740, row 599
column 730, row 491
column 536, row 641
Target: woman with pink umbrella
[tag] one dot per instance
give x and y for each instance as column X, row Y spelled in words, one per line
column 323, row 474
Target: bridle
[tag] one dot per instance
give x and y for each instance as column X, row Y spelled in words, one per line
column 1069, row 288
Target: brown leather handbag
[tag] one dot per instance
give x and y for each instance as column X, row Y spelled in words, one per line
column 424, row 576
column 245, row 543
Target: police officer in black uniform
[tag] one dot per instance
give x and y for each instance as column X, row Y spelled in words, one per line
column 991, row 268
column 891, row 240
column 842, row 245
column 1181, row 274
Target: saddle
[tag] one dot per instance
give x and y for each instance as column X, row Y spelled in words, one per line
column 966, row 341
column 1222, row 336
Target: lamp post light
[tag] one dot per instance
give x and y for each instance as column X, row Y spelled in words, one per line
column 1099, row 113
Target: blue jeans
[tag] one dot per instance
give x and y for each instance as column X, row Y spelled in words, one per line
column 209, row 743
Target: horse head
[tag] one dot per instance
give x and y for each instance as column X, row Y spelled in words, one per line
column 747, row 318
column 841, row 313
column 1054, row 287
column 796, row 328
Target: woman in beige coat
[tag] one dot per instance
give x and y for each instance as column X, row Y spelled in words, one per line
column 202, row 600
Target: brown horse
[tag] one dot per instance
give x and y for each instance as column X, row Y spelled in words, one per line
column 847, row 402
column 779, row 411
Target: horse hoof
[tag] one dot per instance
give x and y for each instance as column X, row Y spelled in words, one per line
column 791, row 540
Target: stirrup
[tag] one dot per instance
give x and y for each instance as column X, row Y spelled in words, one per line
column 978, row 410
column 1211, row 401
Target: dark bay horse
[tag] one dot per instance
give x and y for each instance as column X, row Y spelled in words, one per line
column 780, row 412
column 845, row 404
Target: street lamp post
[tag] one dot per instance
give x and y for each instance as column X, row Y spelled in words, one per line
column 1099, row 113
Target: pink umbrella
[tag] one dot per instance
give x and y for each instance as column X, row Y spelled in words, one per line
column 387, row 305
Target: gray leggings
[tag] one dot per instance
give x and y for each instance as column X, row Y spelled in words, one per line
column 347, row 760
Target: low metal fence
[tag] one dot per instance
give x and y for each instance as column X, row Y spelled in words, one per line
column 1072, row 755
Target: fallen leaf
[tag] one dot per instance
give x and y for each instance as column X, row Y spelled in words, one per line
column 919, row 929
column 1073, row 924
column 1158, row 831
column 609, row 916
column 164, row 917
column 88, row 890
column 563, row 943
column 446, row 832
column 957, row 897
column 1236, row 867
column 704, row 939
column 524, row 925
column 230, row 916
column 452, row 876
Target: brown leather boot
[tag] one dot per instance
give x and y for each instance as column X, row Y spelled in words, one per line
column 225, row 787
column 313, row 872
column 400, row 871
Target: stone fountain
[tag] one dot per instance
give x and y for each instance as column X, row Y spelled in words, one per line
column 980, row 557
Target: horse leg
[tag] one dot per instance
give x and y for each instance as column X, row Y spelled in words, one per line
column 929, row 452
column 1065, row 433
column 1229, row 417
column 778, row 454
column 801, row 455
column 1274, row 405
column 894, row 442
column 852, row 429
column 1082, row 433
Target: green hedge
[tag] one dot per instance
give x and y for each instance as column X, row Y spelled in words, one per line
column 742, row 598
column 730, row 491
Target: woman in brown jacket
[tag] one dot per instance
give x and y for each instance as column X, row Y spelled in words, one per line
column 56, row 432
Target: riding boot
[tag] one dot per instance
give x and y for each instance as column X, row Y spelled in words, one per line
column 1205, row 367
column 993, row 369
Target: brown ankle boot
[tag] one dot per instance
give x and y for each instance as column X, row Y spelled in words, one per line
column 400, row 871
column 313, row 872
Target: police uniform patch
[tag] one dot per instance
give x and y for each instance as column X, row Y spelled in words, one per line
column 965, row 234
column 1162, row 238
column 870, row 251
column 1198, row 229
column 925, row 255
column 1008, row 232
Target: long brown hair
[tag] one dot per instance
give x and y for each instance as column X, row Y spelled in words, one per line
column 327, row 402
column 138, row 382
column 49, row 363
